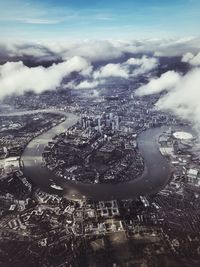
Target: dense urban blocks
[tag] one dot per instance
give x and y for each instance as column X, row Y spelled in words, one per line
column 95, row 151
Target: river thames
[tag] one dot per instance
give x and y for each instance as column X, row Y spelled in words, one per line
column 155, row 176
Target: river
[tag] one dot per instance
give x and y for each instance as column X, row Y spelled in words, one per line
column 155, row 176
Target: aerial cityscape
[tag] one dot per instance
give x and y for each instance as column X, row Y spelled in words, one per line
column 99, row 133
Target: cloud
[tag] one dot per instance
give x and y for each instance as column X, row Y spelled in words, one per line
column 183, row 100
column 87, row 71
column 112, row 70
column 166, row 81
column 76, row 56
column 187, row 57
column 191, row 59
column 100, row 50
column 130, row 68
column 87, row 85
column 84, row 85
column 144, row 64
column 182, row 97
column 15, row 77
column 119, row 70
column 92, row 50
column 21, row 50
column 174, row 47
column 166, row 47
column 40, row 21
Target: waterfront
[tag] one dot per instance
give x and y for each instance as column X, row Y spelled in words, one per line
column 155, row 176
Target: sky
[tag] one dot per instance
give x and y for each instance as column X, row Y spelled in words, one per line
column 103, row 19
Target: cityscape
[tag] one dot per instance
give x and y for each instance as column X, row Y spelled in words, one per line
column 99, row 135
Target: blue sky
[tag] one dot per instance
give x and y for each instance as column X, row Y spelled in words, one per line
column 103, row 19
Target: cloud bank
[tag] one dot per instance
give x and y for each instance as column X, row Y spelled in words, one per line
column 99, row 50
column 193, row 60
column 15, row 77
column 95, row 60
column 144, row 64
column 112, row 70
column 167, row 81
column 182, row 97
column 130, row 68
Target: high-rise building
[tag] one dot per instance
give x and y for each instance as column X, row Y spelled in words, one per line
column 99, row 125
column 117, row 122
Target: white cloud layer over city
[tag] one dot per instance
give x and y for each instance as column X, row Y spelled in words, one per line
column 94, row 50
column 182, row 94
column 182, row 90
column 15, row 77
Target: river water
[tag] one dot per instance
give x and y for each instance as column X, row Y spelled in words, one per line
column 155, row 176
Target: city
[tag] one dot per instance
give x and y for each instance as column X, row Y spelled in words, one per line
column 99, row 133
column 74, row 231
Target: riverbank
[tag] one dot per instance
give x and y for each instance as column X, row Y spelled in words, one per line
column 157, row 171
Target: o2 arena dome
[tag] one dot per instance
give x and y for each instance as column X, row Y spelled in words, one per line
column 183, row 135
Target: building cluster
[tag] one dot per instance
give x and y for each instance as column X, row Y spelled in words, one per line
column 15, row 132
column 95, row 150
column 183, row 151
column 64, row 229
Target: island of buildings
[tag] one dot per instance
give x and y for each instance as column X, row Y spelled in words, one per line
column 95, row 151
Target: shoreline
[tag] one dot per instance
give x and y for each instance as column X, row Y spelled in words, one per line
column 156, row 174
column 78, row 190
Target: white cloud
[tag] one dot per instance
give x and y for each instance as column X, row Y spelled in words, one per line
column 87, row 85
column 91, row 50
column 40, row 21
column 173, row 47
column 144, row 64
column 98, row 50
column 191, row 59
column 112, row 70
column 184, row 99
column 124, row 70
column 121, row 70
column 83, row 85
column 15, row 77
column 87, row 71
column 166, row 81
column 187, row 57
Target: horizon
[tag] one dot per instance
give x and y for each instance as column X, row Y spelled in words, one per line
column 75, row 20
